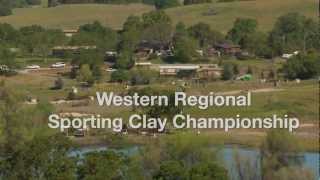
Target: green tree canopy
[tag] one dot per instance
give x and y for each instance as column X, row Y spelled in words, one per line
column 241, row 29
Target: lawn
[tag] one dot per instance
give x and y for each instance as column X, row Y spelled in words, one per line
column 219, row 15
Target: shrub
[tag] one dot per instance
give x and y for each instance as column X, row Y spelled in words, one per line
column 58, row 84
column 120, row 76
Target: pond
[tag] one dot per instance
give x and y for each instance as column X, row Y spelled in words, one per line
column 309, row 160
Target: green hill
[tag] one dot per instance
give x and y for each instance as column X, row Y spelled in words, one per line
column 71, row 16
column 219, row 15
column 222, row 15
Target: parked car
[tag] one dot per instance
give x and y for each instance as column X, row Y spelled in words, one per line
column 33, row 67
column 111, row 70
column 5, row 70
column 58, row 65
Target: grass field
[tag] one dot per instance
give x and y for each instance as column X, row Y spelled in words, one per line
column 71, row 16
column 265, row 11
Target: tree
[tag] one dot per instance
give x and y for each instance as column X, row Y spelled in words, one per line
column 257, row 43
column 302, row 67
column 102, row 165
column 85, row 74
column 5, row 8
column 162, row 4
column 208, row 171
column 227, row 72
column 33, row 2
column 92, row 58
column 205, row 35
column 9, row 35
column 279, row 152
column 236, row 69
column 180, row 31
column 125, row 60
column 120, row 76
column 157, row 27
column 188, row 2
column 95, row 34
column 249, row 71
column 39, row 41
column 7, row 58
column 294, row 32
column 131, row 34
column 171, row 170
column 185, row 50
column 41, row 158
column 53, row 3
column 142, row 77
column 241, row 29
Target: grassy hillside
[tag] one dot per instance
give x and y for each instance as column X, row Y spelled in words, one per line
column 265, row 11
column 219, row 15
column 70, row 16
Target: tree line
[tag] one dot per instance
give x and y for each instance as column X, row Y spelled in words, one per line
column 6, row 6
column 159, row 4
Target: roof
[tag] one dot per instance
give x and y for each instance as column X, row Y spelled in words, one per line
column 143, row 63
column 227, row 45
column 73, row 47
column 70, row 30
column 179, row 66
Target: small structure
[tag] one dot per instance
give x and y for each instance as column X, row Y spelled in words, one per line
column 288, row 56
column 61, row 51
column 228, row 48
column 146, row 48
column 173, row 69
column 211, row 52
column 70, row 32
column 209, row 72
column 202, row 71
column 111, row 53
column 4, row 68
column 143, row 64
column 246, row 77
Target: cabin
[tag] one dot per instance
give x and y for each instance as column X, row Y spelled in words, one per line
column 228, row 48
column 209, row 72
column 146, row 48
column 70, row 32
column 174, row 69
column 202, row 71
column 62, row 51
column 212, row 52
column 143, row 64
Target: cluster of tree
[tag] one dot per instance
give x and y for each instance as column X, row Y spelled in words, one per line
column 292, row 32
column 188, row 157
column 32, row 40
column 280, row 157
column 188, row 2
column 303, row 67
column 87, row 66
column 95, row 34
column 6, row 6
